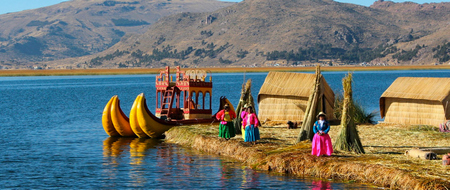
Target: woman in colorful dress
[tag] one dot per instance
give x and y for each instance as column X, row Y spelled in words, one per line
column 243, row 115
column 250, row 124
column 226, row 128
column 321, row 144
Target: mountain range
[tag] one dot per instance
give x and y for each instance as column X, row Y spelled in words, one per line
column 267, row 32
column 82, row 27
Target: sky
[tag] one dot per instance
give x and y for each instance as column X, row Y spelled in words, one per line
column 7, row 6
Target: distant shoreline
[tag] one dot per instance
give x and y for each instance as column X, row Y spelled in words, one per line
column 133, row 71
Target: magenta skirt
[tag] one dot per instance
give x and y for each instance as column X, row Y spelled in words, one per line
column 321, row 145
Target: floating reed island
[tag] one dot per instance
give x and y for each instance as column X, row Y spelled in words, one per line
column 383, row 164
column 364, row 153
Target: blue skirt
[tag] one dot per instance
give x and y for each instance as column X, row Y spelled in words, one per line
column 251, row 133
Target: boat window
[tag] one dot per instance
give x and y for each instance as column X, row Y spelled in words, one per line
column 201, row 101
column 207, row 101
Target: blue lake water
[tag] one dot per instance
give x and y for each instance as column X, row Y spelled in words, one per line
column 52, row 136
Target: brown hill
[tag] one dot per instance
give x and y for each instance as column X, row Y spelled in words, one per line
column 429, row 27
column 81, row 27
column 265, row 32
column 256, row 32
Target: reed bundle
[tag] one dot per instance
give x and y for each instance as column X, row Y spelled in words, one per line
column 312, row 109
column 348, row 138
column 246, row 99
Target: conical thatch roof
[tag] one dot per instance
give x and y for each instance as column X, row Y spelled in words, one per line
column 417, row 88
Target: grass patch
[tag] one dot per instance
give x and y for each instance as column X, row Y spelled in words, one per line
column 361, row 115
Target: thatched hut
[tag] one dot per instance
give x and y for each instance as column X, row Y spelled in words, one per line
column 416, row 101
column 284, row 96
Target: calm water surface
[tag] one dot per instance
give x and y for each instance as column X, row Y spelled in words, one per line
column 52, row 136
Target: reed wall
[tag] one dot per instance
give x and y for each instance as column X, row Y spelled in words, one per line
column 286, row 108
column 414, row 112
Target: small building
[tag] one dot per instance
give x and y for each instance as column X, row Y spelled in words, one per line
column 284, row 97
column 416, row 101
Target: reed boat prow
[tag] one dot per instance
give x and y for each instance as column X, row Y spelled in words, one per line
column 183, row 101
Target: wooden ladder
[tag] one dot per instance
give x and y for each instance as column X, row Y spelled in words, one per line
column 167, row 102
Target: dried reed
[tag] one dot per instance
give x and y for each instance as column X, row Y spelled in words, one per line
column 383, row 165
column 246, row 99
column 313, row 106
column 348, row 139
column 416, row 100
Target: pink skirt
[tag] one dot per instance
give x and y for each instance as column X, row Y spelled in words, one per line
column 321, row 145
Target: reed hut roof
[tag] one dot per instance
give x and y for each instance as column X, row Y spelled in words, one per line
column 293, row 84
column 417, row 88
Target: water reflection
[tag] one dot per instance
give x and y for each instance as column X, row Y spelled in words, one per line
column 113, row 147
column 139, row 150
column 321, row 185
column 148, row 163
column 249, row 178
column 139, row 147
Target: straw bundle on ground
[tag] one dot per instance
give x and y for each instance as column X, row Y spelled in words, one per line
column 246, row 99
column 314, row 103
column 284, row 96
column 348, row 138
column 416, row 101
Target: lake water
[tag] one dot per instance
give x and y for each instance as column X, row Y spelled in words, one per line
column 52, row 136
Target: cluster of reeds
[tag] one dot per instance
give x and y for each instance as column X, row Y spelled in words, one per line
column 312, row 109
column 246, row 99
column 348, row 138
column 361, row 116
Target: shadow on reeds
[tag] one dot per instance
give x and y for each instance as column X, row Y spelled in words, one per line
column 422, row 147
column 342, row 156
column 387, row 153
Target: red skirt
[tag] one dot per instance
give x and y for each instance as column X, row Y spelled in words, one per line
column 321, row 145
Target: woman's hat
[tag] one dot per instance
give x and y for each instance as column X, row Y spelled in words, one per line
column 321, row 114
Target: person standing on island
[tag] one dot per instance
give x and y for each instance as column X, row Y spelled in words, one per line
column 321, row 143
column 226, row 128
column 243, row 114
column 244, row 111
column 250, row 124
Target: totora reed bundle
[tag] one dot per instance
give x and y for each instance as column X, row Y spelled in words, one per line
column 313, row 107
column 246, row 98
column 348, row 138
